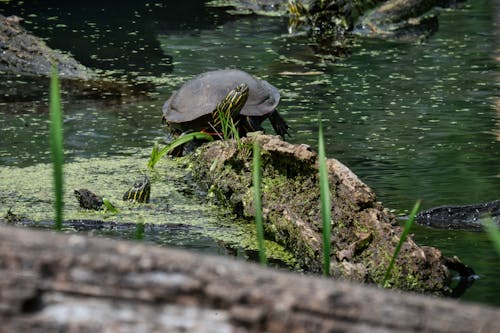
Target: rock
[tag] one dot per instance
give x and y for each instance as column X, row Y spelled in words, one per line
column 23, row 53
column 259, row 7
column 26, row 62
column 88, row 199
column 364, row 234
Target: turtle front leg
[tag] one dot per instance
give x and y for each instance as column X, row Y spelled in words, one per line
column 279, row 123
column 250, row 124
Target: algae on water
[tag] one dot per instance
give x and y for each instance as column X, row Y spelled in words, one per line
column 28, row 193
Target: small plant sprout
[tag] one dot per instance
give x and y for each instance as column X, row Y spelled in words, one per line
column 493, row 233
column 402, row 239
column 256, row 179
column 109, row 207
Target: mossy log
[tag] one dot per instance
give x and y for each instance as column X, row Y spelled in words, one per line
column 410, row 20
column 364, row 234
column 70, row 283
column 26, row 61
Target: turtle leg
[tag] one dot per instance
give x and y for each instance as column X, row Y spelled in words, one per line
column 279, row 123
column 250, row 124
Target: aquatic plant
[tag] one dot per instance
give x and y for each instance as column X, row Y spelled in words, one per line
column 157, row 154
column 257, row 198
column 493, row 233
column 325, row 203
column 402, row 239
column 56, row 145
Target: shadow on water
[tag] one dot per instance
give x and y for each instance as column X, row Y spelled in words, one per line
column 411, row 120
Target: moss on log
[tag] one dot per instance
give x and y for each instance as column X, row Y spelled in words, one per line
column 364, row 234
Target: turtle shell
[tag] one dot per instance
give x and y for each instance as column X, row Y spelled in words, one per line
column 200, row 96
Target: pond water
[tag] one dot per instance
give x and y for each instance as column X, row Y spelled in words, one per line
column 413, row 121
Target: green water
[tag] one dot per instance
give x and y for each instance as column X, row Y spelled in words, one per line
column 411, row 120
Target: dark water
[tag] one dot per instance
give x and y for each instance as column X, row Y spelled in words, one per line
column 414, row 121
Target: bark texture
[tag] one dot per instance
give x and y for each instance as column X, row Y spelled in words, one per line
column 68, row 283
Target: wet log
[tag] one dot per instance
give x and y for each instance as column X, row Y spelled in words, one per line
column 463, row 217
column 69, row 283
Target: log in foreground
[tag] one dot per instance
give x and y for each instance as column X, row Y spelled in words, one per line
column 60, row 283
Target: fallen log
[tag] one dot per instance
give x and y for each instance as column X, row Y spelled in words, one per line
column 55, row 282
column 364, row 234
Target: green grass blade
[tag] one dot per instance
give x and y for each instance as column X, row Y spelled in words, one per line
column 157, row 154
column 139, row 231
column 56, row 145
column 493, row 233
column 257, row 199
column 154, row 157
column 109, row 207
column 326, row 214
column 402, row 239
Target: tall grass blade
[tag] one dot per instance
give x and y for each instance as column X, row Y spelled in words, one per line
column 326, row 214
column 56, row 145
column 493, row 233
column 257, row 199
column 402, row 239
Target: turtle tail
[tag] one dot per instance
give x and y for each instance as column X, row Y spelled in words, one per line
column 279, row 123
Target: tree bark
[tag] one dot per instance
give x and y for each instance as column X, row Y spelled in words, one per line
column 54, row 283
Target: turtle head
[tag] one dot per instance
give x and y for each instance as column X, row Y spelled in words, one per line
column 234, row 101
column 239, row 91
column 229, row 108
column 140, row 192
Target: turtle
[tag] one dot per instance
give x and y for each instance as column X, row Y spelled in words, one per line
column 88, row 199
column 138, row 193
column 249, row 100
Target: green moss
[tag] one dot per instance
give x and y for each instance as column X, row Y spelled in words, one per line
column 290, row 201
column 402, row 276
